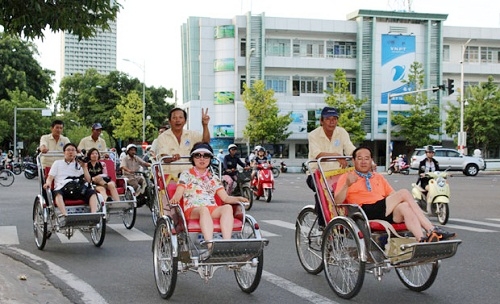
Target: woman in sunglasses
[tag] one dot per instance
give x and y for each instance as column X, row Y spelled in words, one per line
column 198, row 187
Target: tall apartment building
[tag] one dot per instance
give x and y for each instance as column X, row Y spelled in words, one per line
column 98, row 52
column 298, row 57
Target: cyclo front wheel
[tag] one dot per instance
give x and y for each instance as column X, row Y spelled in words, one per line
column 165, row 264
column 248, row 276
column 308, row 240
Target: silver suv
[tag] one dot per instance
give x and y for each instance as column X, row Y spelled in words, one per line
column 452, row 159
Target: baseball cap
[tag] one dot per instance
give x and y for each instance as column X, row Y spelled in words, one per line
column 96, row 126
column 329, row 112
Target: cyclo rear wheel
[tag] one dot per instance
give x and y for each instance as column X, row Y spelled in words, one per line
column 308, row 240
column 248, row 276
column 165, row 264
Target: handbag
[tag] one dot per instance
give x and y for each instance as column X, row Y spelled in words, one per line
column 75, row 189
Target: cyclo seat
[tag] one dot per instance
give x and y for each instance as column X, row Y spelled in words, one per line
column 193, row 225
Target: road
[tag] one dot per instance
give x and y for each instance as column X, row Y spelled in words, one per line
column 121, row 271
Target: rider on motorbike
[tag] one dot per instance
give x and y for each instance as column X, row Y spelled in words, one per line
column 428, row 164
column 230, row 166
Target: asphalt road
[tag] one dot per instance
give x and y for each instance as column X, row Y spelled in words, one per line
column 121, row 271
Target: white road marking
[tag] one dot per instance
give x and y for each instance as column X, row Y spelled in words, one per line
column 8, row 235
column 130, row 234
column 296, row 289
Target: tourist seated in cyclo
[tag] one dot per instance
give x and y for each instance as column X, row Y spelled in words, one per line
column 373, row 193
column 131, row 164
column 64, row 171
column 197, row 188
column 100, row 177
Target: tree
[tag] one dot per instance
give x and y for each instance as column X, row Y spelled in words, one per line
column 351, row 114
column 20, row 70
column 29, row 18
column 481, row 116
column 265, row 125
column 422, row 121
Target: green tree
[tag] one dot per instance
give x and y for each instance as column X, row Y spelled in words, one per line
column 83, row 18
column 265, row 125
column 481, row 116
column 351, row 114
column 417, row 125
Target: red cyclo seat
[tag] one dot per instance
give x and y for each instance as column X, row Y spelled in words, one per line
column 193, row 225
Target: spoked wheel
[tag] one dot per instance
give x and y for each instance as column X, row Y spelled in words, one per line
column 308, row 241
column 344, row 269
column 129, row 214
column 39, row 224
column 165, row 264
column 268, row 194
column 98, row 232
column 419, row 277
column 443, row 212
column 248, row 276
column 247, row 192
column 6, row 178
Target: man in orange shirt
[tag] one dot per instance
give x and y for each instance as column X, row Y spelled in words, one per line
column 378, row 199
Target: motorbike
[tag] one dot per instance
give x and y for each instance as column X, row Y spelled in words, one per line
column 283, row 167
column 435, row 201
column 263, row 185
column 30, row 170
column 405, row 169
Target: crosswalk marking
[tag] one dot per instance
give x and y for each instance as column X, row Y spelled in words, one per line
column 132, row 234
column 8, row 235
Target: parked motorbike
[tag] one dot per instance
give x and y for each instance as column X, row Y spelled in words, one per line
column 405, row 169
column 435, row 201
column 263, row 185
column 243, row 187
column 30, row 170
column 283, row 167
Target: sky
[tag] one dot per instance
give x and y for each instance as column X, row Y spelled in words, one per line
column 149, row 30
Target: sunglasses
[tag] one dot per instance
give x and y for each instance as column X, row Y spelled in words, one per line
column 199, row 155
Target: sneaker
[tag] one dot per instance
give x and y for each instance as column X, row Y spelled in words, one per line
column 445, row 235
column 62, row 220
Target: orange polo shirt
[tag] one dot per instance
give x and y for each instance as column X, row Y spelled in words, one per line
column 358, row 194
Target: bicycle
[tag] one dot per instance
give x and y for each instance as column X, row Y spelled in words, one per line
column 6, row 177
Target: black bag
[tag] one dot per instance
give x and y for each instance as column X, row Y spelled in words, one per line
column 75, row 189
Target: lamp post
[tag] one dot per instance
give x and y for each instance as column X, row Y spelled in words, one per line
column 462, row 137
column 143, row 69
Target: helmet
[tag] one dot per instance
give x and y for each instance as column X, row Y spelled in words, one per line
column 231, row 146
column 131, row 146
column 429, row 148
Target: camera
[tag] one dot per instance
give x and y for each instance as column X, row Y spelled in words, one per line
column 82, row 157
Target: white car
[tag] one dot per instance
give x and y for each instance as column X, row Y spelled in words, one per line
column 450, row 159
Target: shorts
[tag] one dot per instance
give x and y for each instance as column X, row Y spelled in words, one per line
column 376, row 211
column 187, row 212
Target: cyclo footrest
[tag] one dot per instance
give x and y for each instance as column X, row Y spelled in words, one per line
column 235, row 250
column 425, row 252
column 83, row 219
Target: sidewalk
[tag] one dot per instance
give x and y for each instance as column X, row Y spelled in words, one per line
column 21, row 284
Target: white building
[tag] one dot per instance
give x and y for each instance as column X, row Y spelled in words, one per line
column 98, row 52
column 298, row 57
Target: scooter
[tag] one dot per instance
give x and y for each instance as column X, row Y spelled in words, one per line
column 435, row 201
column 263, row 185
column 283, row 167
column 405, row 169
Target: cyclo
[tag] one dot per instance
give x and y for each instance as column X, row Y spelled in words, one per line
column 45, row 219
column 178, row 242
column 351, row 245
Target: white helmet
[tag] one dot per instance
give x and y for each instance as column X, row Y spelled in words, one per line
column 231, row 146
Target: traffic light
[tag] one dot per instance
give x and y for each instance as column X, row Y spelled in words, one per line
column 451, row 86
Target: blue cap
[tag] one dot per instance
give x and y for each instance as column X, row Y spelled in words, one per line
column 329, row 112
column 96, row 126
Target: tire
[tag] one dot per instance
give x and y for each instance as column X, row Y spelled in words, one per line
column 248, row 276
column 308, row 240
column 268, row 194
column 419, row 277
column 39, row 224
column 344, row 269
column 6, row 178
column 471, row 170
column 29, row 175
column 247, row 192
column 165, row 264
column 98, row 232
column 442, row 212
column 276, row 172
column 129, row 215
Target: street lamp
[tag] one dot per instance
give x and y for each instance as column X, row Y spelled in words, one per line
column 143, row 69
column 462, row 137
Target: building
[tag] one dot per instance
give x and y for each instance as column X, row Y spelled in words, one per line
column 298, row 57
column 98, row 52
